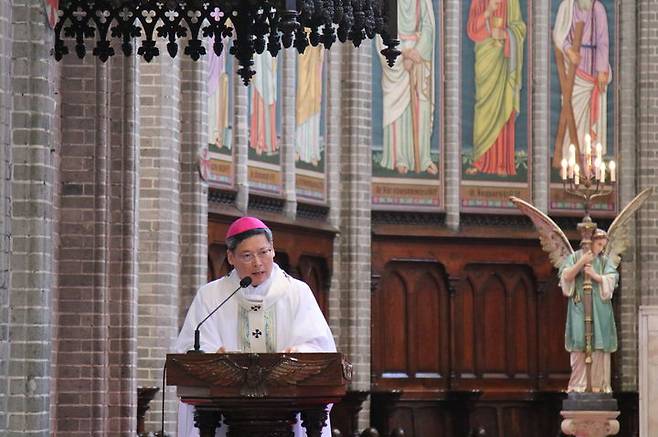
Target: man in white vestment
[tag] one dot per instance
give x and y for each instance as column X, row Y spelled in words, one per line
column 276, row 313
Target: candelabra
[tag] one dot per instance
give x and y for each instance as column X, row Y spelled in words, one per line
column 588, row 185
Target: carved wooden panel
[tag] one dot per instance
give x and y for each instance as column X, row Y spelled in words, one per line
column 314, row 271
column 410, row 317
column 496, row 337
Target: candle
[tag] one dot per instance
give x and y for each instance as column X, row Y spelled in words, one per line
column 597, row 168
column 572, row 152
column 612, row 166
column 602, row 172
column 599, row 151
column 563, row 170
column 576, row 175
column 572, row 164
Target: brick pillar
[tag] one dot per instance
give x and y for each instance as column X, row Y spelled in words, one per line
column 627, row 354
column 289, row 59
column 32, row 174
column 542, row 46
column 95, row 349
column 452, row 160
column 333, row 63
column 240, row 141
column 647, row 148
column 159, row 224
column 6, row 104
column 356, row 173
column 194, row 191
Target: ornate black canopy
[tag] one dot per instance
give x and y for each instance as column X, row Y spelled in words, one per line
column 253, row 26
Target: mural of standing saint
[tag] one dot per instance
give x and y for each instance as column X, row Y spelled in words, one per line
column 262, row 133
column 498, row 31
column 309, row 105
column 588, row 50
column 219, row 126
column 408, row 92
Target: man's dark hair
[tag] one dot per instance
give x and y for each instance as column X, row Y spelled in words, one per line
column 232, row 242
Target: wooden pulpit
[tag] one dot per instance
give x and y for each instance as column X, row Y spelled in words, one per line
column 259, row 394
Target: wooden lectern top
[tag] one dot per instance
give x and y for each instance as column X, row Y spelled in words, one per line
column 259, row 394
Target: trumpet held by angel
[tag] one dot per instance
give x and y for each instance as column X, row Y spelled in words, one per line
column 599, row 259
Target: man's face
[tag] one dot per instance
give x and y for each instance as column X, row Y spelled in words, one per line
column 253, row 257
column 598, row 245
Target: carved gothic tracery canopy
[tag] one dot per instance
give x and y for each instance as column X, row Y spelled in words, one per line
column 253, row 26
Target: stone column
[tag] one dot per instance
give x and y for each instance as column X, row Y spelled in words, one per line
column 6, row 105
column 31, row 167
column 159, row 223
column 355, row 224
column 648, row 371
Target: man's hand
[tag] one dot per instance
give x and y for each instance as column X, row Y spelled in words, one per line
column 574, row 56
column 498, row 34
column 221, row 350
column 602, row 80
column 290, row 350
column 491, row 7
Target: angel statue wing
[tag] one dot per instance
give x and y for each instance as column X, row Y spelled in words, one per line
column 618, row 233
column 551, row 236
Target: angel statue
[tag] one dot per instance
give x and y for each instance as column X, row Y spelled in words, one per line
column 588, row 278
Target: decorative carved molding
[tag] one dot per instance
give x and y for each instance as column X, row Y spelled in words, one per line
column 407, row 218
column 266, row 204
column 254, row 26
column 312, row 212
column 221, row 197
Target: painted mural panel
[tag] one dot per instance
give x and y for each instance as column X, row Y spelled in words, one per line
column 407, row 143
column 220, row 171
column 582, row 99
column 264, row 120
column 496, row 109
column 310, row 110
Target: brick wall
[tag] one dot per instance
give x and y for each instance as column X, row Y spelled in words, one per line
column 31, row 222
column 159, row 222
column 647, row 147
column 628, row 188
column 6, row 104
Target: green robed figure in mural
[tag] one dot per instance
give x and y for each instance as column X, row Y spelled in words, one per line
column 498, row 31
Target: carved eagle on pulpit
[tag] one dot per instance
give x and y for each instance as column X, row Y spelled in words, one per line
column 254, row 378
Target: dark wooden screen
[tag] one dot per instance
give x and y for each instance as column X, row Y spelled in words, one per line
column 471, row 330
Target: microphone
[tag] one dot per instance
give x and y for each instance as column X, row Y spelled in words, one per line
column 244, row 282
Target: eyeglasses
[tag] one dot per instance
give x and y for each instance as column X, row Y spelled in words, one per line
column 248, row 257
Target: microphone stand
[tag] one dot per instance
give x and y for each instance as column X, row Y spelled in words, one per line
column 245, row 282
